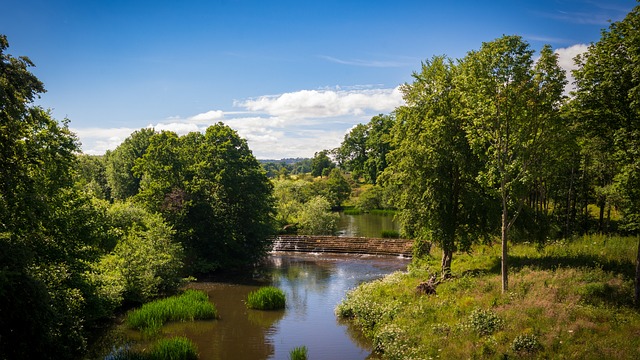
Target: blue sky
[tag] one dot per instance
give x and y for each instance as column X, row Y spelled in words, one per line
column 292, row 77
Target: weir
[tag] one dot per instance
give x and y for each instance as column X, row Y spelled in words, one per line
column 340, row 244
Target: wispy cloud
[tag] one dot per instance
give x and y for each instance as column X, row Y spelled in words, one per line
column 295, row 124
column 371, row 63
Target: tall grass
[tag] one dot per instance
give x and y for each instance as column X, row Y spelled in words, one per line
column 189, row 306
column 571, row 299
column 299, row 353
column 266, row 298
column 176, row 348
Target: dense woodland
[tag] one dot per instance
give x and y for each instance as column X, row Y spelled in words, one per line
column 487, row 147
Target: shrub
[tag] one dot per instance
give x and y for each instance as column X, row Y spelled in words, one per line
column 191, row 305
column 526, row 343
column 299, row 353
column 266, row 298
column 485, row 322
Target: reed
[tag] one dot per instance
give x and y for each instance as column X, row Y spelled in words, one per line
column 299, row 353
column 189, row 306
column 266, row 298
column 177, row 348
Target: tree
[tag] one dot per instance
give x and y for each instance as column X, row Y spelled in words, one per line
column 213, row 192
column 352, row 153
column 608, row 102
column 431, row 172
column 321, row 163
column 48, row 229
column 338, row 188
column 120, row 162
column 316, row 217
column 511, row 110
column 378, row 146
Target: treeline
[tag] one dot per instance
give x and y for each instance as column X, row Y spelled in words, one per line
column 81, row 236
column 490, row 145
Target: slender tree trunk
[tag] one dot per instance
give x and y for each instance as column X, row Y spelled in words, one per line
column 505, row 224
column 447, row 256
column 637, row 282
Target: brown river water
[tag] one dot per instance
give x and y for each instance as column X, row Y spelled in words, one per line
column 313, row 284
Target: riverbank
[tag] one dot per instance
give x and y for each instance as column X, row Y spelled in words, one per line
column 570, row 300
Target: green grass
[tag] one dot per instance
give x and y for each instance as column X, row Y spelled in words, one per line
column 266, row 298
column 299, row 353
column 189, row 306
column 570, row 300
column 390, row 234
column 176, row 348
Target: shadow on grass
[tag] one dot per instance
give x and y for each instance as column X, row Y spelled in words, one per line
column 552, row 262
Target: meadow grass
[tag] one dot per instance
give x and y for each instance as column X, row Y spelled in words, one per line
column 568, row 300
column 190, row 305
column 266, row 298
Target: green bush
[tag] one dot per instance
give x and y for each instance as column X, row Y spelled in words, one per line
column 299, row 353
column 266, row 298
column 526, row 343
column 191, row 305
column 485, row 322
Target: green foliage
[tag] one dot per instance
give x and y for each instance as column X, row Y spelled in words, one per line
column 485, row 322
column 526, row 344
column 320, row 163
column 189, row 306
column 213, row 192
column 338, row 188
column 363, row 152
column 120, row 162
column 298, row 353
column 568, row 295
column 145, row 262
column 316, row 217
column 266, row 298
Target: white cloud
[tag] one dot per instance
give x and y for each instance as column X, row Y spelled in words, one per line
column 208, row 116
column 295, row 124
column 565, row 60
column 325, row 103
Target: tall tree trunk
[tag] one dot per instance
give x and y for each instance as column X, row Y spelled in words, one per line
column 637, row 282
column 505, row 224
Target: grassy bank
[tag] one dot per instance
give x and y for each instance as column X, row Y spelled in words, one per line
column 570, row 300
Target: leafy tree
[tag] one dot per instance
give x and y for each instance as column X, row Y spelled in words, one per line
column 431, row 173
column 320, row 162
column 145, row 262
column 48, row 230
column 92, row 176
column 608, row 101
column 512, row 108
column 120, row 162
column 352, row 153
column 379, row 145
column 213, row 192
column 316, row 217
column 338, row 188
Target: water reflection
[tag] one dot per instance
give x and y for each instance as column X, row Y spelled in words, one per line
column 313, row 286
column 366, row 225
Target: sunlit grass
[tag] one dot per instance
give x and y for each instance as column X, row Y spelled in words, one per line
column 266, row 298
column 176, row 348
column 572, row 299
column 189, row 306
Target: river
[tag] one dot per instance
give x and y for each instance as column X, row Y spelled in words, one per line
column 313, row 284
